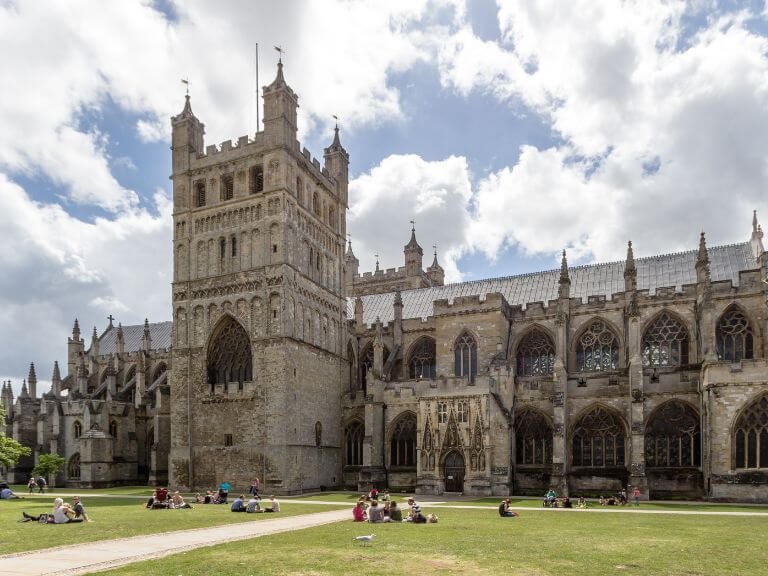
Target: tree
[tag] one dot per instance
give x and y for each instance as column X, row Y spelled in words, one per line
column 48, row 465
column 10, row 450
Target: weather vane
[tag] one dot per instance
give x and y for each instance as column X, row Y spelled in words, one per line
column 280, row 51
column 413, row 225
column 185, row 81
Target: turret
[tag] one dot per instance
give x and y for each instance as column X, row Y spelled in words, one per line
column 436, row 273
column 702, row 261
column 146, row 339
column 24, row 392
column 187, row 134
column 413, row 255
column 75, row 348
column 337, row 164
column 56, row 379
column 32, row 380
column 7, row 398
column 280, row 105
column 630, row 271
column 94, row 343
column 351, row 268
column 564, row 290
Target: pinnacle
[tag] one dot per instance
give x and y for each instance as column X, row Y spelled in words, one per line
column 564, row 269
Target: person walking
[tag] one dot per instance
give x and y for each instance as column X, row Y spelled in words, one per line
column 41, row 484
column 31, row 485
column 636, row 495
column 255, row 488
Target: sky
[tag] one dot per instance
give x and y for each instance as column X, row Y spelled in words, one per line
column 507, row 130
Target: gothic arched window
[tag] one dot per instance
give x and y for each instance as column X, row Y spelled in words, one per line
column 77, row 429
column 598, row 440
column 535, row 354
column 465, row 357
column 200, row 193
column 229, row 354
column 733, row 334
column 673, row 437
column 421, row 362
column 353, row 440
column 597, row 348
column 750, row 443
column 113, row 429
column 402, row 444
column 665, row 343
column 73, row 466
column 533, row 438
column 351, row 360
column 318, row 433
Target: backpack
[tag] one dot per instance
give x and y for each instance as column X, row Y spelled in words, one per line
column 45, row 519
column 41, row 481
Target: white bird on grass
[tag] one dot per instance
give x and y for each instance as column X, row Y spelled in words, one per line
column 364, row 539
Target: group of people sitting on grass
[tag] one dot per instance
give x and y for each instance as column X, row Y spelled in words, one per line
column 161, row 499
column 369, row 510
column 253, row 505
column 62, row 513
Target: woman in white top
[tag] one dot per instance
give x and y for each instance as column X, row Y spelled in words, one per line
column 61, row 512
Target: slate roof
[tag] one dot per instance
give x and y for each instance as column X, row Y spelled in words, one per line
column 653, row 272
column 160, row 333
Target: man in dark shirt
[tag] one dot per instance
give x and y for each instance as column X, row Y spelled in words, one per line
column 79, row 509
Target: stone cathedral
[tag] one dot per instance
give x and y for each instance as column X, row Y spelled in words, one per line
column 284, row 361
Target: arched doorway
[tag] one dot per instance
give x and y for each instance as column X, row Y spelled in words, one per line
column 454, row 472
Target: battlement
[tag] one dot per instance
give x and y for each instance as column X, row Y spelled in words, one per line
column 472, row 304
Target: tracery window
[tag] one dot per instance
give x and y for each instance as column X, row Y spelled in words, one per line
column 597, row 349
column 462, row 411
column 402, row 443
column 673, row 437
column 751, row 436
column 77, row 429
column 227, row 187
column 442, row 412
column 598, row 440
column 229, row 355
column 256, row 179
column 465, row 357
column 533, row 438
column 73, row 467
column 535, row 354
column 735, row 341
column 353, row 440
column 200, row 193
column 665, row 343
column 422, row 363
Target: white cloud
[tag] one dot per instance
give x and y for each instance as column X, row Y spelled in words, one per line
column 404, row 187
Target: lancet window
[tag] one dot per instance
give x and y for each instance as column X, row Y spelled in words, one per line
column 665, row 343
column 402, row 444
column 673, row 437
column 735, row 341
column 465, row 357
column 533, row 438
column 200, row 193
column 535, row 354
column 421, row 363
column 353, row 440
column 598, row 440
column 256, row 179
column 77, row 429
column 751, row 436
column 229, row 355
column 227, row 187
column 597, row 348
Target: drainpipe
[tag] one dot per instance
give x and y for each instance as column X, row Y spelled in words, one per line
column 384, row 442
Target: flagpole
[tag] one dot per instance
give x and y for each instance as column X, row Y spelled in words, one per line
column 258, row 125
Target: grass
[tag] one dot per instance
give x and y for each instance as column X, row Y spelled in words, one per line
column 480, row 542
column 115, row 517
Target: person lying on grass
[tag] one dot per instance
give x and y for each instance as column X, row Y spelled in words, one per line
column 62, row 514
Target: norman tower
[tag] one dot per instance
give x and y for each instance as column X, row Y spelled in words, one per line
column 259, row 311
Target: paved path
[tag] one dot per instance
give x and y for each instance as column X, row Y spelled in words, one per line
column 93, row 556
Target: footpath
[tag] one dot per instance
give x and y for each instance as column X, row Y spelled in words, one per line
column 101, row 555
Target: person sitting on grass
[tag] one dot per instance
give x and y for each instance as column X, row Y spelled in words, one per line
column 550, row 498
column 199, row 498
column 416, row 517
column 385, row 496
column 395, row 513
column 7, row 494
column 237, row 505
column 62, row 514
column 275, row 507
column 358, row 512
column 566, row 503
column 582, row 503
column 375, row 513
column 177, row 501
column 79, row 509
column 505, row 511
column 253, row 505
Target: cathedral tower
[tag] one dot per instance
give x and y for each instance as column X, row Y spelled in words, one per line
column 259, row 309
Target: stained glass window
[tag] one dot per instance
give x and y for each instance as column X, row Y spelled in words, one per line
column 535, row 354
column 353, row 440
column 465, row 357
column 665, row 343
column 751, row 436
column 229, row 355
column 673, row 437
column 403, row 442
column 533, row 438
column 598, row 440
column 734, row 337
column 421, row 363
column 597, row 348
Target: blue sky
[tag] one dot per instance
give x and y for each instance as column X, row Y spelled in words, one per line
column 507, row 130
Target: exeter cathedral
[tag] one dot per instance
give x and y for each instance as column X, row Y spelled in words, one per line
column 284, row 361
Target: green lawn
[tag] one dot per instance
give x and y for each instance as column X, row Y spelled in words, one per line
column 479, row 542
column 114, row 518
